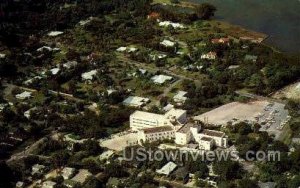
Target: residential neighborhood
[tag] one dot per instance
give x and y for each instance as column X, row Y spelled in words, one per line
column 143, row 94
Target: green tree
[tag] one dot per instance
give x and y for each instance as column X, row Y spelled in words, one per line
column 246, row 183
column 228, row 170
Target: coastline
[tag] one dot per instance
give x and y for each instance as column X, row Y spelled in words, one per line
column 233, row 30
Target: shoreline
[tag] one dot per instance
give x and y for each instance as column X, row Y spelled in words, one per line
column 231, row 29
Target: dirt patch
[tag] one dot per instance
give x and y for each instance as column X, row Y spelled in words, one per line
column 234, row 110
column 289, row 92
column 120, row 141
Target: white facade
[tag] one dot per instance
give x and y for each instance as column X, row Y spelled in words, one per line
column 140, row 120
column 206, row 143
column 220, row 139
column 182, row 138
column 205, row 138
column 157, row 133
column 67, row 172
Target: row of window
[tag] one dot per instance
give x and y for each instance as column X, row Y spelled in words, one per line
column 143, row 120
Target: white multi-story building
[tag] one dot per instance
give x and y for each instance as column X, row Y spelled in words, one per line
column 156, row 133
column 204, row 137
column 174, row 118
column 153, row 127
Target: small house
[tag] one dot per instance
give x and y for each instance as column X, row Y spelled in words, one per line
column 67, row 172
column 161, row 79
column 48, row 184
column 23, row 95
column 167, row 169
column 209, row 55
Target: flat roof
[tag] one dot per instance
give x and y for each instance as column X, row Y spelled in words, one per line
column 160, row 79
column 135, row 101
column 208, row 139
column 157, row 129
column 213, row 133
column 175, row 112
column 105, row 155
column 148, row 115
column 186, row 127
column 81, row 176
column 167, row 169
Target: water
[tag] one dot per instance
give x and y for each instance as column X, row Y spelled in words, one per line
column 280, row 19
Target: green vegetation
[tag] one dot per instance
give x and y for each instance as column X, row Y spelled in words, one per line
column 89, row 110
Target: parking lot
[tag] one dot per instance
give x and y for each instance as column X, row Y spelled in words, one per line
column 271, row 115
column 273, row 119
column 118, row 142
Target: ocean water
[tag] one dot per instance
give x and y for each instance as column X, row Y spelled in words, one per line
column 280, row 19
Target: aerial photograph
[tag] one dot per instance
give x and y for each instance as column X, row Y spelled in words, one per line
column 149, row 93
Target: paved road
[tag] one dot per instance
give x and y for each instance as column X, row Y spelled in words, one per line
column 254, row 96
column 167, row 90
column 28, row 151
column 153, row 69
column 173, row 183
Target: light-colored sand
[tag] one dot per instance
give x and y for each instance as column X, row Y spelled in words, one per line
column 118, row 143
column 289, row 92
column 271, row 116
column 237, row 110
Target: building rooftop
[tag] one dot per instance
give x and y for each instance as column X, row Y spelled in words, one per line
column 175, row 112
column 89, row 75
column 208, row 139
column 220, row 40
column 70, row 64
column 168, row 107
column 2, row 56
column 48, row 184
column 24, row 95
column 167, row 43
column 135, row 101
column 169, row 23
column 55, row 33
column 180, row 96
column 186, row 127
column 67, row 172
column 213, row 133
column 157, row 129
column 148, row 115
column 82, row 175
column 54, row 71
column 160, row 79
column 167, row 169
column 105, row 155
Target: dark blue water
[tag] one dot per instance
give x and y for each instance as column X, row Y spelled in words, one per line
column 280, row 19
